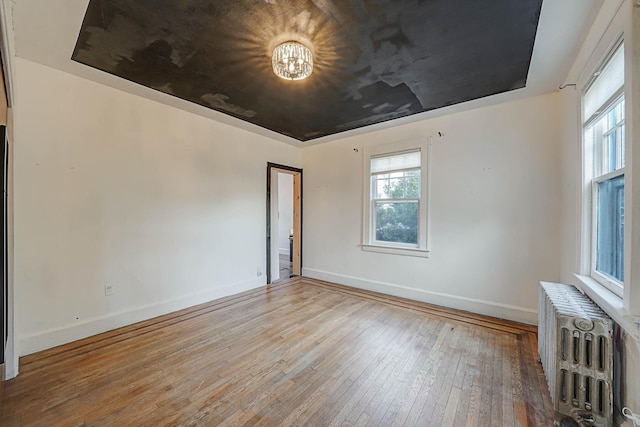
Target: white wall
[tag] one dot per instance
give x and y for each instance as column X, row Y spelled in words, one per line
column 285, row 211
column 569, row 99
column 495, row 211
column 112, row 189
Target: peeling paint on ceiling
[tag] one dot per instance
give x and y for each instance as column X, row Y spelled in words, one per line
column 374, row 60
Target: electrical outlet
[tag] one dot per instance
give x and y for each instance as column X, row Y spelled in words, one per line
column 108, row 290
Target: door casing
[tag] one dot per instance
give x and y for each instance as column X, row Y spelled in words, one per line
column 273, row 168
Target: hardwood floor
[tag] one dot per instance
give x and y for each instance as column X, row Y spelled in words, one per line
column 285, row 267
column 301, row 352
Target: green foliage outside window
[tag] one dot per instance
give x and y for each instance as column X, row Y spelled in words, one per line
column 396, row 218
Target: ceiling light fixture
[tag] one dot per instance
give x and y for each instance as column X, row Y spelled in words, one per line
column 292, row 61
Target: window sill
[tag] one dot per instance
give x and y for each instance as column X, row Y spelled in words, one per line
column 416, row 252
column 611, row 303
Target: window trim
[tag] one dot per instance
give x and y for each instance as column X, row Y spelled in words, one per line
column 369, row 244
column 615, row 23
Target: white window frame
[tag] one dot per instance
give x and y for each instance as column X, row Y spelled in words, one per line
column 591, row 180
column 369, row 243
column 615, row 25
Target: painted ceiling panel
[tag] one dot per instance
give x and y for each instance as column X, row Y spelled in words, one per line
column 374, row 60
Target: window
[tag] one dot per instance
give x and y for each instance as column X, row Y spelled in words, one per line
column 395, row 202
column 604, row 165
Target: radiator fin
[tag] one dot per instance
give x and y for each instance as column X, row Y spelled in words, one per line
column 576, row 350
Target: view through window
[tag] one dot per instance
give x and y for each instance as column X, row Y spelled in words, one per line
column 604, row 127
column 395, row 184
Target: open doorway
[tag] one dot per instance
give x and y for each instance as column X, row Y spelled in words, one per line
column 284, row 222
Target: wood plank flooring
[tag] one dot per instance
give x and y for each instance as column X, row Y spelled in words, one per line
column 301, row 352
column 285, row 267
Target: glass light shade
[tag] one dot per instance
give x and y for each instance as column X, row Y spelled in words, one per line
column 292, row 61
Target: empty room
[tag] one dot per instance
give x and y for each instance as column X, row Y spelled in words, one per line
column 320, row 213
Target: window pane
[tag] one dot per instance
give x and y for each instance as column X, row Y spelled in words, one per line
column 395, row 162
column 616, row 114
column 380, row 185
column 610, row 151
column 606, row 138
column 397, row 185
column 621, row 147
column 610, row 228
column 412, row 185
column 396, row 222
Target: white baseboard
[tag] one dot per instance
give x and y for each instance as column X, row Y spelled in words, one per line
column 283, row 251
column 57, row 336
column 488, row 308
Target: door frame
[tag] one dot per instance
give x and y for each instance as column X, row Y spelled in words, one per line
column 4, row 307
column 297, row 216
column 7, row 100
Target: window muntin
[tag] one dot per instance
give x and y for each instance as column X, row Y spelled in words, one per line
column 604, row 157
